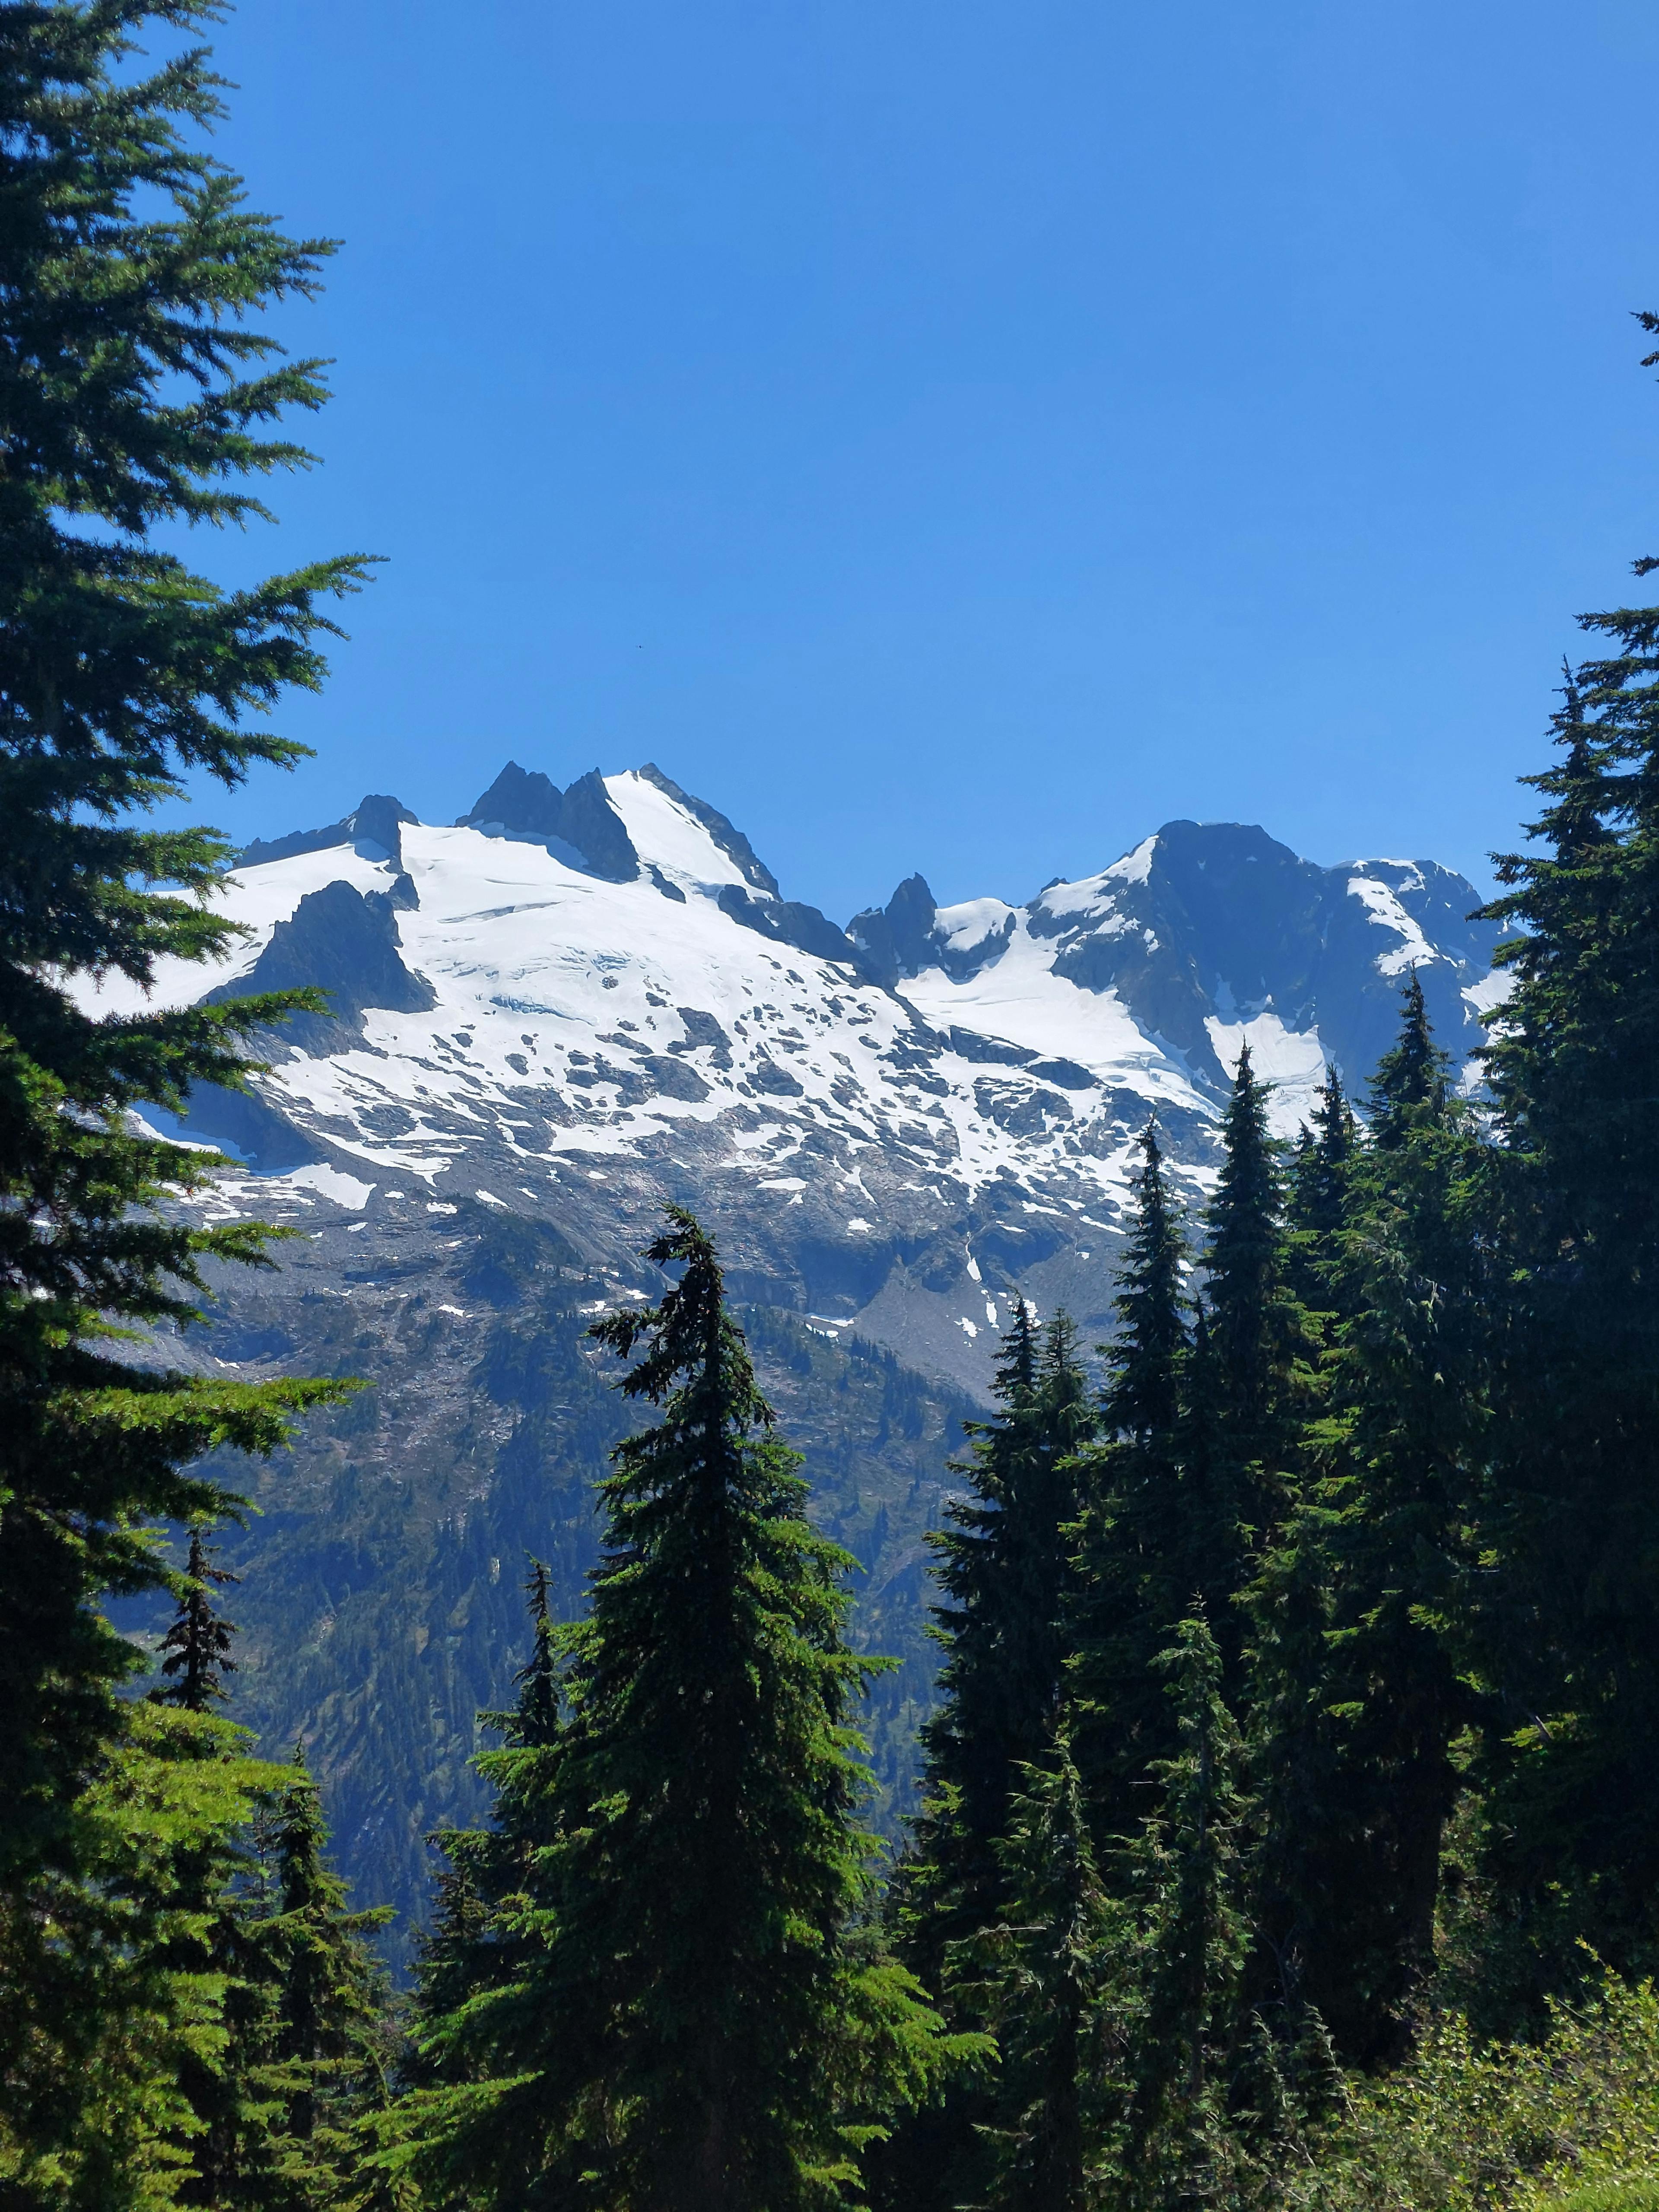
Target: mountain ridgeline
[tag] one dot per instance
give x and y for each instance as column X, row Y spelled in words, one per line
column 548, row 1019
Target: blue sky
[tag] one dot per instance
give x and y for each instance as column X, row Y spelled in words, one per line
column 963, row 436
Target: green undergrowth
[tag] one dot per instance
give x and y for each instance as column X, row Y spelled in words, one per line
column 1569, row 2124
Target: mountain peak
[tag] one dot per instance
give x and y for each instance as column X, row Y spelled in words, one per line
column 377, row 819
column 580, row 824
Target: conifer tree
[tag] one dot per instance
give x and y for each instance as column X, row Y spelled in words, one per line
column 331, row 1996
column 1137, row 1566
column 1318, row 1188
column 116, row 2012
column 137, row 395
column 1257, row 1333
column 1143, row 1393
column 197, row 1644
column 1362, row 1659
column 474, row 1942
column 1412, row 1077
column 1571, row 1616
column 1042, row 1977
column 1003, row 1572
column 697, row 2023
column 1186, row 1866
column 1251, row 1379
column 451, row 1962
column 1003, row 1567
column 235, row 2087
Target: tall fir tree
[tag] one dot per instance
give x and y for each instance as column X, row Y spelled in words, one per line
column 1363, row 1660
column 137, row 390
column 1137, row 1566
column 197, row 1644
column 1003, row 1569
column 1186, row 1871
column 119, row 1998
column 1252, row 1380
column 332, row 1997
column 476, row 1942
column 697, row 2021
column 1258, row 1337
column 1318, row 1192
column 1042, row 1977
column 1570, row 1615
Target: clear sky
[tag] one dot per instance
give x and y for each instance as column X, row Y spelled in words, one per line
column 961, row 436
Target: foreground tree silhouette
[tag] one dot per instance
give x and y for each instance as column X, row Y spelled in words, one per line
column 697, row 2022
column 137, row 396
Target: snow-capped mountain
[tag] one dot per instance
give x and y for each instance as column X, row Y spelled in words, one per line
column 574, row 1004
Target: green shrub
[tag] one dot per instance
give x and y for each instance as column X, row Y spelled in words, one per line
column 1567, row 2124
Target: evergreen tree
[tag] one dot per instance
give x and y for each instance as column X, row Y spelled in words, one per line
column 1257, row 1333
column 1251, row 1380
column 1186, row 1866
column 1318, row 1192
column 535, row 1722
column 197, row 1644
column 137, row 389
column 1362, row 1661
column 1137, row 1567
column 1412, row 1077
column 1003, row 1570
column 331, row 1999
column 1570, row 1617
column 451, row 1960
column 117, row 2000
column 474, row 1943
column 1142, row 1401
column 1042, row 1977
column 697, row 2022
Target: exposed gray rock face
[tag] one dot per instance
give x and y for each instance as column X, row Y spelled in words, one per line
column 786, row 921
column 1207, row 922
column 340, row 941
column 376, row 821
column 581, row 820
column 899, row 938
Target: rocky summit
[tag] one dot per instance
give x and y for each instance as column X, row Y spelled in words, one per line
column 571, row 1006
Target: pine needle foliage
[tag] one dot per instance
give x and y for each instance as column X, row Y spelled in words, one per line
column 1187, row 1869
column 139, row 393
column 197, row 1644
column 1139, row 1566
column 116, row 2030
column 698, row 2021
column 1043, row 1977
column 1004, row 1571
column 331, row 1995
column 1572, row 1612
column 1363, row 1661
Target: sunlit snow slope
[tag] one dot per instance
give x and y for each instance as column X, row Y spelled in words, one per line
column 576, row 1004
